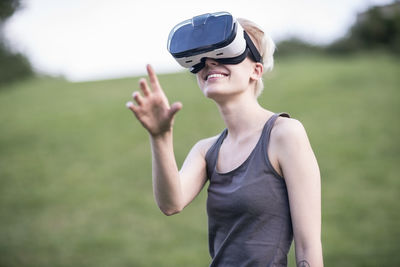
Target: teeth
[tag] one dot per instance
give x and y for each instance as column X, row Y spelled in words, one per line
column 216, row 75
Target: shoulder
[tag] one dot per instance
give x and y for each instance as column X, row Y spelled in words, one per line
column 204, row 145
column 287, row 127
column 292, row 148
column 288, row 133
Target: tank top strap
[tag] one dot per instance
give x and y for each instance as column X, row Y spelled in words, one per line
column 212, row 154
column 265, row 136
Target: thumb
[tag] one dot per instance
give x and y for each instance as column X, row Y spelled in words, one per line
column 175, row 107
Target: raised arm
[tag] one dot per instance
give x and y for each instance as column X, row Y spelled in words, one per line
column 172, row 190
column 300, row 169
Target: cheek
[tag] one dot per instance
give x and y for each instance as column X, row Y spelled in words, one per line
column 239, row 80
column 201, row 84
column 200, row 81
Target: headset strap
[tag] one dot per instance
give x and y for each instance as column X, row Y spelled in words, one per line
column 253, row 49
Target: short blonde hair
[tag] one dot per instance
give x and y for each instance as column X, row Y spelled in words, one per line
column 265, row 46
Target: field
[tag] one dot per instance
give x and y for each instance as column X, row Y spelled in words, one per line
column 75, row 173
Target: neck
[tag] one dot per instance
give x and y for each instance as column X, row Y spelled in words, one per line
column 243, row 115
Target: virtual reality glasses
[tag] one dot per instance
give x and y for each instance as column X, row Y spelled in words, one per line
column 217, row 35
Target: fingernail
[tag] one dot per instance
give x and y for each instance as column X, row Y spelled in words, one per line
column 134, row 94
column 128, row 104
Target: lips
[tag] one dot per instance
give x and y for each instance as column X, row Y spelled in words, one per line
column 215, row 75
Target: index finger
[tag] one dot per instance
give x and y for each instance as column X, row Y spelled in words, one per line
column 153, row 78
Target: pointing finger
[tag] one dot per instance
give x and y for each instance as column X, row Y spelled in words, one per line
column 153, row 78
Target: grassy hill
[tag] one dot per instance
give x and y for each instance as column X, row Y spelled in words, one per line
column 75, row 173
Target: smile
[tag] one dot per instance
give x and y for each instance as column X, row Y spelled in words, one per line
column 215, row 76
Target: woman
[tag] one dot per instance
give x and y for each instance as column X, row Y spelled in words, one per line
column 264, row 181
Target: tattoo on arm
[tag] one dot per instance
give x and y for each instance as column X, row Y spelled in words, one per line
column 303, row 263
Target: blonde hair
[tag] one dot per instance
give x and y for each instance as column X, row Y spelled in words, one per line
column 265, row 46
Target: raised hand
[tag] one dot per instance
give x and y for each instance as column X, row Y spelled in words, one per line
column 152, row 108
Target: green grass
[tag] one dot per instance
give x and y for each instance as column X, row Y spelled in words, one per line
column 75, row 174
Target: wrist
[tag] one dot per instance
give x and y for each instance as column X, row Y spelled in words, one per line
column 161, row 137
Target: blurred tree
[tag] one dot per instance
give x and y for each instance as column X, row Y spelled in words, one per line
column 7, row 8
column 13, row 66
column 376, row 28
column 293, row 46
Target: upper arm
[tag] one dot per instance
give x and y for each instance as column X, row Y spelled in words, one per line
column 301, row 173
column 193, row 174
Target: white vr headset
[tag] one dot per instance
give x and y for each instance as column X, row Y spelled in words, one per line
column 217, row 35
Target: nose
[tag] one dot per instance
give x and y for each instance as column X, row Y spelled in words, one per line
column 211, row 62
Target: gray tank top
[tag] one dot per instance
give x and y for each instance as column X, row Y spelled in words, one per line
column 249, row 221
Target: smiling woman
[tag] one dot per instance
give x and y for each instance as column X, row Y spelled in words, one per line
column 263, row 178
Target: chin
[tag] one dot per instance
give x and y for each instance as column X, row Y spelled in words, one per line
column 218, row 94
column 211, row 92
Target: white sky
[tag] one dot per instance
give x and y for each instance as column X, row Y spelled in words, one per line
column 102, row 39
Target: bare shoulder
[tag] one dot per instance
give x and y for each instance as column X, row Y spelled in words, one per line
column 288, row 131
column 204, row 145
column 291, row 147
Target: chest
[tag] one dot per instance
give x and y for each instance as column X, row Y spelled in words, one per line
column 251, row 188
column 233, row 154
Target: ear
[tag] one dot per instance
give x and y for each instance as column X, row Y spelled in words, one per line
column 258, row 71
